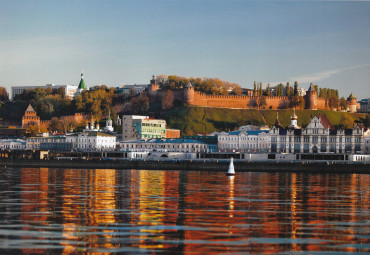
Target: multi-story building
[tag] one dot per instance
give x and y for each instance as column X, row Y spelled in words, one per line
column 92, row 141
column 164, row 145
column 244, row 141
column 44, row 142
column 131, row 90
column 143, row 127
column 128, row 131
column 70, row 90
column 318, row 136
column 365, row 105
column 12, row 144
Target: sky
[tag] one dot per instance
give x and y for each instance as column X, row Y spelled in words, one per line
column 117, row 42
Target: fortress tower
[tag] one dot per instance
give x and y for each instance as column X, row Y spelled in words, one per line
column 189, row 94
column 153, row 86
column 30, row 117
column 311, row 98
column 352, row 103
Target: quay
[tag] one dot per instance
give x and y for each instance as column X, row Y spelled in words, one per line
column 192, row 165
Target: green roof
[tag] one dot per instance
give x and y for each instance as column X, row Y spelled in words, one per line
column 82, row 82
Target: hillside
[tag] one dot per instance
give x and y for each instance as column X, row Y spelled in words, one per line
column 201, row 120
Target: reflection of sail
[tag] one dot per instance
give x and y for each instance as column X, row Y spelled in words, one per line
column 231, row 196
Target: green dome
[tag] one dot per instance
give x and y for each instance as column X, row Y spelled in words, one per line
column 82, row 82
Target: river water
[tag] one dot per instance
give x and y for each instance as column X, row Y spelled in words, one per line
column 105, row 211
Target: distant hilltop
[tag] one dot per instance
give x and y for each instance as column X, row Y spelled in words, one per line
column 188, row 95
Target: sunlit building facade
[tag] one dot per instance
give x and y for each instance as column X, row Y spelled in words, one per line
column 319, row 136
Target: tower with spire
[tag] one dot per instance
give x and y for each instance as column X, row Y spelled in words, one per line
column 294, row 120
column 81, row 86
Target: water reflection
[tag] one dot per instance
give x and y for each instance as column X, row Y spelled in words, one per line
column 68, row 211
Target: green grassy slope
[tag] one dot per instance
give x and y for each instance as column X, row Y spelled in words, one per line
column 200, row 120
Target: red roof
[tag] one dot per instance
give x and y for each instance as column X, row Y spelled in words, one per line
column 325, row 122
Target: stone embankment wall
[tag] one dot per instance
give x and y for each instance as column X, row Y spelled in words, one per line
column 196, row 165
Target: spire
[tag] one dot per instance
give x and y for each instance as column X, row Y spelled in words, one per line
column 30, row 108
column 294, row 116
column 82, row 82
column 277, row 123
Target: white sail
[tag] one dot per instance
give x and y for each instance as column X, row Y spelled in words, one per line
column 231, row 170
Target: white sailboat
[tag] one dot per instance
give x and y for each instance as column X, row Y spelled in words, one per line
column 231, row 170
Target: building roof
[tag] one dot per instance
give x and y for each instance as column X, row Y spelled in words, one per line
column 82, row 82
column 351, row 96
column 189, row 85
column 97, row 133
column 30, row 108
column 311, row 88
column 324, row 121
column 248, row 132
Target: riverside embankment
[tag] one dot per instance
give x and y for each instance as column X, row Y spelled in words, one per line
column 196, row 165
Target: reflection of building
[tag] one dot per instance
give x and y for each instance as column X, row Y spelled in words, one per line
column 318, row 136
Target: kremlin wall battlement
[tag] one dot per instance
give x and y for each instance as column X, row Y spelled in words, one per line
column 195, row 98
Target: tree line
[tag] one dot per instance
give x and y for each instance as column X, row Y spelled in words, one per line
column 209, row 86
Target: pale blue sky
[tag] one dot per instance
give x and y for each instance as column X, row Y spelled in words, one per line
column 114, row 42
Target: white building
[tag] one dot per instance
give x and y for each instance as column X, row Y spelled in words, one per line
column 92, row 141
column 367, row 142
column 318, row 136
column 244, row 141
column 34, row 143
column 70, row 90
column 12, row 144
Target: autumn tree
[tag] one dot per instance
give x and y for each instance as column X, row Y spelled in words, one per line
column 55, row 125
column 295, row 91
column 96, row 102
column 3, row 95
column 139, row 105
column 261, row 102
column 333, row 102
column 343, row 103
column 294, row 101
column 287, row 89
column 32, row 130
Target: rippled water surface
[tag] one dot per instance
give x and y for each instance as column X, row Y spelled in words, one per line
column 64, row 211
